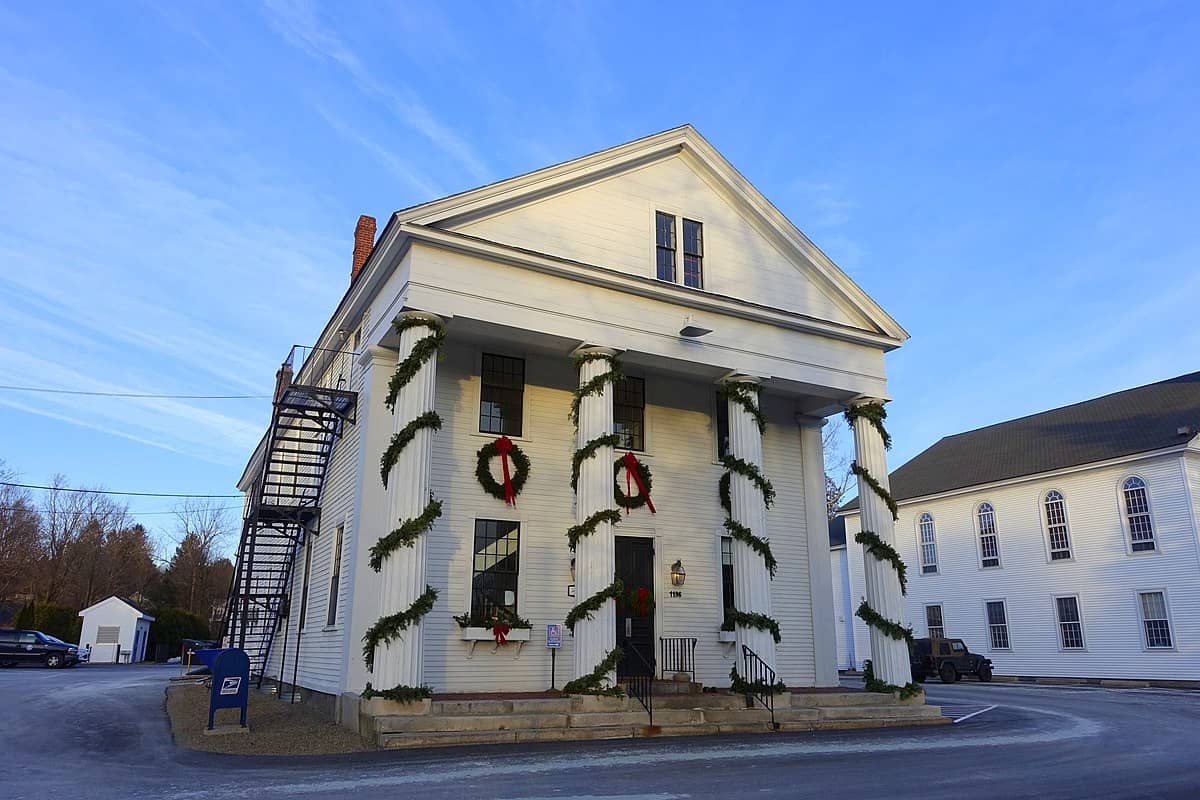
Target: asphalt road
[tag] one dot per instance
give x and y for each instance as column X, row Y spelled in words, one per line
column 101, row 732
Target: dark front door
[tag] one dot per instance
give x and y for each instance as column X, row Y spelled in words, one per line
column 635, row 611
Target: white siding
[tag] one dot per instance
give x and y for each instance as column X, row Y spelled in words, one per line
column 843, row 614
column 1104, row 573
column 610, row 223
column 680, row 452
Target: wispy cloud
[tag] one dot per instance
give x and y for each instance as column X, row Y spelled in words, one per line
column 298, row 23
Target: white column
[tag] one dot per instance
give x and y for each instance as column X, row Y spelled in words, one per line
column 816, row 518
column 595, row 559
column 889, row 657
column 751, row 579
column 398, row 663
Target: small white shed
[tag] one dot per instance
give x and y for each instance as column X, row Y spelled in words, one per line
column 116, row 630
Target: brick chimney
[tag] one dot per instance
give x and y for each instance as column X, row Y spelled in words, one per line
column 364, row 240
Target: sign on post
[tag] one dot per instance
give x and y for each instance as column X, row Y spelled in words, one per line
column 554, row 635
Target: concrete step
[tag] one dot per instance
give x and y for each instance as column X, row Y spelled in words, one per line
column 705, row 700
column 465, row 722
column 683, row 716
column 878, row 712
column 676, row 730
column 485, row 707
column 737, row 715
column 846, row 699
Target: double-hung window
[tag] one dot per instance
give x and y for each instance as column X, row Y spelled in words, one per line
column 727, row 572
column 667, row 234
column 1155, row 622
column 497, row 565
column 1070, row 624
column 989, row 541
column 629, row 413
column 335, row 577
column 501, row 395
column 928, row 543
column 1056, row 526
column 1137, row 514
column 997, row 617
column 933, row 622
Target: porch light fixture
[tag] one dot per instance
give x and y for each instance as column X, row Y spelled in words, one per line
column 678, row 573
column 691, row 330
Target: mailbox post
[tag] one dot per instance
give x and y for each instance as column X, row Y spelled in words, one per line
column 230, row 680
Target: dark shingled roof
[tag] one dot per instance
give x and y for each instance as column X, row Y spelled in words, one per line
column 837, row 531
column 1121, row 424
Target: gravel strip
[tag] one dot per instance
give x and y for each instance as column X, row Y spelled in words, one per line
column 276, row 728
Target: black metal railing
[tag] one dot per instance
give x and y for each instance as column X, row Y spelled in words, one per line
column 640, row 687
column 678, row 654
column 761, row 680
column 321, row 367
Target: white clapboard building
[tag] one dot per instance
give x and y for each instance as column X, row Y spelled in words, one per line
column 1062, row 544
column 654, row 289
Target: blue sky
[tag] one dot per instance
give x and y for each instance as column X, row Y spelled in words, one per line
column 1016, row 184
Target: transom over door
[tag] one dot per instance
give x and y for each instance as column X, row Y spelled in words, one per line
column 635, row 611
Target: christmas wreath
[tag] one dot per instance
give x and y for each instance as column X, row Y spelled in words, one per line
column 636, row 473
column 513, row 483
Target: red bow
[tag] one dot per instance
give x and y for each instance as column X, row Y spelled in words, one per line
column 642, row 601
column 631, row 471
column 504, row 446
column 500, row 633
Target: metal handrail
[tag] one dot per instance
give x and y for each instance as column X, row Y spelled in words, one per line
column 640, row 687
column 759, row 673
column 678, row 655
column 321, row 367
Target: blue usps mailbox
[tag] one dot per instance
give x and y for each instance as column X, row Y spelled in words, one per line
column 230, row 680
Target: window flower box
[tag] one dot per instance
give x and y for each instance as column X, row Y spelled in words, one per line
column 515, row 636
column 728, row 637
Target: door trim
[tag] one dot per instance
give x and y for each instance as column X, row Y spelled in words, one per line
column 647, row 532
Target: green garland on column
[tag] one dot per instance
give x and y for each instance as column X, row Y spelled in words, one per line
column 594, row 385
column 752, row 619
column 739, row 685
column 746, row 470
column 389, row 628
column 875, row 413
column 756, row 543
column 594, row 603
column 589, row 450
column 593, row 682
column 747, row 396
column 589, row 525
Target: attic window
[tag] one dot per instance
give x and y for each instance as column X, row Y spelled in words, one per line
column 666, row 237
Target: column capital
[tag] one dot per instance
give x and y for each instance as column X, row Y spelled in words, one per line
column 426, row 315
column 374, row 354
column 740, row 377
column 590, row 349
column 805, row 421
column 867, row 401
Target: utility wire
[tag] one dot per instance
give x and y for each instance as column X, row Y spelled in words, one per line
column 106, row 491
column 35, row 510
column 134, row 394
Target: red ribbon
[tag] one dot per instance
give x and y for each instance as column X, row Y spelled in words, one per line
column 642, row 601
column 500, row 633
column 631, row 471
column 504, row 446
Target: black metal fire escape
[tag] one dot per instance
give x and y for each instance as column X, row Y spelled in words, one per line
column 285, row 502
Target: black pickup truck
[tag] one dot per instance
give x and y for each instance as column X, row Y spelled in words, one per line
column 949, row 659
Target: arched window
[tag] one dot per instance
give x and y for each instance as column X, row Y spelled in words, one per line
column 1137, row 513
column 929, row 562
column 1056, row 526
column 989, row 541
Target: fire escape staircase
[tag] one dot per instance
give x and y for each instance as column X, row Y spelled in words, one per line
column 285, row 502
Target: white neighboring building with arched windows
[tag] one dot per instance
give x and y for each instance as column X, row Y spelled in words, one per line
column 1062, row 544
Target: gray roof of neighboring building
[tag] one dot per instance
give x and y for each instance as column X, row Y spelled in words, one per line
column 837, row 531
column 1121, row 424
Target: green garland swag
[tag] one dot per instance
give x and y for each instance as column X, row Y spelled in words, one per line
column 756, row 543
column 584, row 610
column 390, row 627
column 885, row 552
column 752, row 619
column 739, row 685
column 873, row 684
column 747, row 396
column 876, row 487
column 483, row 470
column 589, row 525
column 399, row 694
column 746, row 470
column 638, row 500
column 874, row 413
column 423, row 350
column 405, row 535
column 403, row 438
column 595, row 385
column 503, row 615
column 882, row 623
column 593, row 682
column 587, row 451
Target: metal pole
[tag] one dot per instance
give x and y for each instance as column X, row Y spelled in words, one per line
column 553, row 652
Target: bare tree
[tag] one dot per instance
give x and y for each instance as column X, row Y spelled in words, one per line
column 838, row 477
column 203, row 529
column 71, row 533
column 18, row 537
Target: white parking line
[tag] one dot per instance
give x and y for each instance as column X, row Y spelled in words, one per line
column 973, row 714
